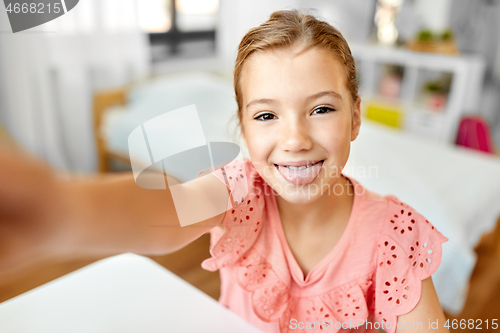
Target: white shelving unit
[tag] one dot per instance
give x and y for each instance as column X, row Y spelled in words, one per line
column 463, row 98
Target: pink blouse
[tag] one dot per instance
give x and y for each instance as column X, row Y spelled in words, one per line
column 371, row 276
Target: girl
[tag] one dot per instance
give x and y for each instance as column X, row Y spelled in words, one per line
column 301, row 247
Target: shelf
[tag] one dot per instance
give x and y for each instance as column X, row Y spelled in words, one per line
column 420, row 92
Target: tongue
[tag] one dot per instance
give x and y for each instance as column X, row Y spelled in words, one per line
column 300, row 177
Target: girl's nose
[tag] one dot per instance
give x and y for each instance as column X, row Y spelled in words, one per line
column 295, row 136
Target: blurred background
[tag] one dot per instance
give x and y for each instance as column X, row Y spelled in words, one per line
column 47, row 99
column 73, row 89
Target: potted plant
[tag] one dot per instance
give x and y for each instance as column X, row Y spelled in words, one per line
column 434, row 42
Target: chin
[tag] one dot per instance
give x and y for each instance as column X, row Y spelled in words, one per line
column 301, row 199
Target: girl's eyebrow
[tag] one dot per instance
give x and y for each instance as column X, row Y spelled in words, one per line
column 325, row 93
column 312, row 97
column 261, row 101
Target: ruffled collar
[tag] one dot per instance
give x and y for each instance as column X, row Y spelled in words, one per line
column 406, row 250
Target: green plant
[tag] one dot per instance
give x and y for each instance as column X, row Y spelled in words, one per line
column 425, row 35
column 447, row 35
column 441, row 85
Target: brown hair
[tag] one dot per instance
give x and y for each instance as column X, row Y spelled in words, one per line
column 285, row 28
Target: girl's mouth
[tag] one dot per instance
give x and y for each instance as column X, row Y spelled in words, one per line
column 301, row 175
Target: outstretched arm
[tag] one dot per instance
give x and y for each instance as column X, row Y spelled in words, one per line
column 42, row 214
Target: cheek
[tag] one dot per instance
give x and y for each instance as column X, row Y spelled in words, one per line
column 334, row 138
column 259, row 143
column 335, row 134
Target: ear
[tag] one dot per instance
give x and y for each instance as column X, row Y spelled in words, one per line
column 356, row 119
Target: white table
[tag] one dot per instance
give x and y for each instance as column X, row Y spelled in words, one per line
column 125, row 293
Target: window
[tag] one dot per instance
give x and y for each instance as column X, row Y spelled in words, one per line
column 179, row 27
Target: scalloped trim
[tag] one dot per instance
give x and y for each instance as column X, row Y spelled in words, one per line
column 271, row 301
column 269, row 293
column 403, row 265
column 244, row 217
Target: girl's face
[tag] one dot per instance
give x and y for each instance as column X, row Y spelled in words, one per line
column 298, row 120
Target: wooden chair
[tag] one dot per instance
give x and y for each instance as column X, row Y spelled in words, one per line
column 103, row 100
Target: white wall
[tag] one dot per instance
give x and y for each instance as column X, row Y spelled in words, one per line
column 352, row 17
column 236, row 17
column 435, row 14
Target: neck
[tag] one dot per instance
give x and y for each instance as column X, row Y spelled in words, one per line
column 318, row 212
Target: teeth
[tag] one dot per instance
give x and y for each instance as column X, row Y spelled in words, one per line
column 298, row 168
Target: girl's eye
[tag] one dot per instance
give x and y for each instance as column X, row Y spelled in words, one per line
column 323, row 110
column 265, row 117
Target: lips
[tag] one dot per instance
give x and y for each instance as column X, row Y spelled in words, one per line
column 299, row 173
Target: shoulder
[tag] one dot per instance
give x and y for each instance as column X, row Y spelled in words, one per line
column 367, row 199
column 407, row 240
column 244, row 216
column 242, row 179
column 409, row 252
column 388, row 215
column 370, row 209
column 405, row 224
column 236, row 170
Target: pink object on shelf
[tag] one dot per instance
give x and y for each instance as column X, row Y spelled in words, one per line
column 473, row 132
column 390, row 86
column 436, row 102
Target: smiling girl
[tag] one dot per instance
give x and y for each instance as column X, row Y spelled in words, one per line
column 305, row 248
column 317, row 250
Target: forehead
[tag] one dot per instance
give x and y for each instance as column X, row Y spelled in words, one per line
column 282, row 73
